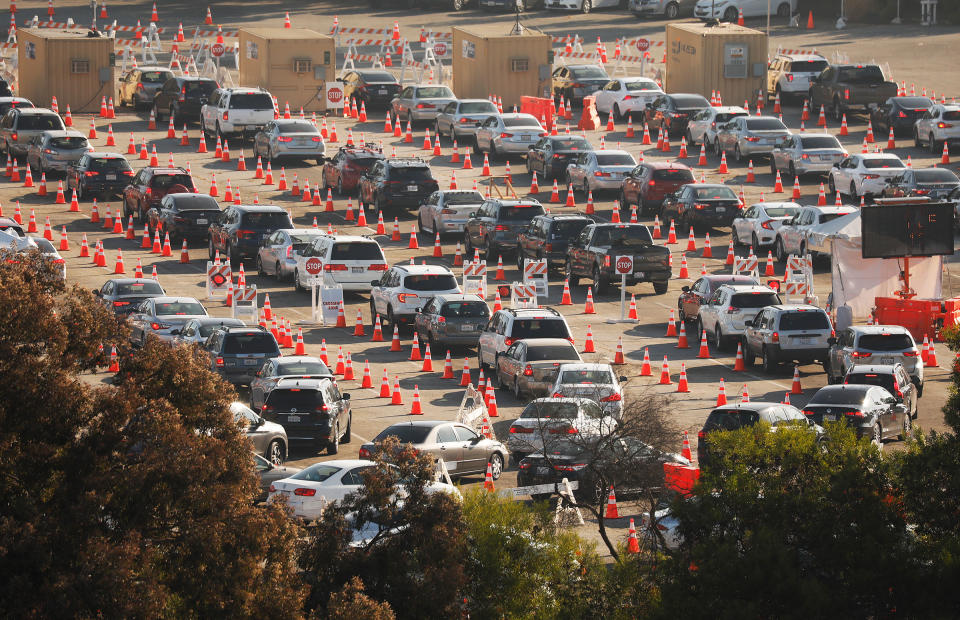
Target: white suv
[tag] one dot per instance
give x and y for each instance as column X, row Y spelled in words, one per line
column 730, row 308
column 405, row 288
column 789, row 75
column 236, row 111
column 939, row 124
column 511, row 324
column 348, row 260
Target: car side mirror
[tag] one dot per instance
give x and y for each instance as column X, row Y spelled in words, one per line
column 476, row 439
column 419, row 310
column 831, row 341
column 685, row 289
column 473, row 214
column 345, row 396
column 96, row 292
column 623, row 378
column 260, row 422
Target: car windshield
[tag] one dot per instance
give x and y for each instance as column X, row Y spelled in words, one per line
column 68, row 142
column 615, row 159
column 521, row 122
column 204, row 87
column 673, row 174
column 107, row 163
column 586, row 376
column 568, row 229
column 885, row 342
column 914, row 103
column 758, row 299
column 410, row 173
column 839, row 396
column 431, row 282
column 465, row 309
column 884, row 380
column 690, row 101
column 251, row 101
column 316, row 473
column 427, row 92
column 730, row 419
column 537, row 353
column 166, row 181
column 782, row 211
column 804, row 319
column 870, row 74
column 715, row 193
column 406, row 433
column 820, row 142
column 206, row 329
column 622, row 235
column 467, row 198
column 539, row 328
column 267, row 220
column 297, row 127
column 378, row 77
column 808, row 66
column 935, row 175
column 302, row 399
column 356, row 250
column 257, row 342
column 300, row 367
column 139, row 288
column 520, row 212
column 572, row 144
column 564, row 410
column 169, row 308
column 44, row 246
column 478, row 107
column 40, row 122
column 641, row 85
column 765, row 124
column 589, row 73
column 882, row 163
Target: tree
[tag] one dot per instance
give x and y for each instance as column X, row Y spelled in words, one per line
column 352, row 604
column 131, row 499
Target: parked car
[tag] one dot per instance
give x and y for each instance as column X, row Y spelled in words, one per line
column 551, row 423
column 237, row 353
column 736, row 416
column 374, row 88
column 938, row 126
column 124, row 295
column 760, row 222
column 403, row 288
column 750, row 135
column 807, row 153
column 789, row 75
column 184, row 216
column 149, row 186
column 627, row 96
column 937, row 183
column 870, row 410
column 583, row 6
column 289, row 138
column 874, row 344
column 19, row 126
column 788, row 333
column 842, row 88
column 348, row 260
column 792, row 235
column 99, row 174
column 278, row 369
column 493, row 228
column 649, row 183
column 56, row 151
column 593, row 255
column 901, row 113
column 598, row 382
column 504, row 135
column 280, row 251
column 11, row 227
column 397, row 182
column 447, row 211
column 702, row 126
column 139, row 86
column 14, row 102
column 268, row 438
column 421, row 102
column 462, row 450
column 343, row 170
column 160, row 316
column 237, row 112
column 451, row 320
column 181, row 98
column 24, row 245
column 461, row 118
column 672, row 112
column 196, row 331
column 891, row 377
column 548, row 237
column 312, row 411
column 551, row 154
column 699, row 293
column 595, row 171
column 530, row 366
column 702, row 205
column 510, row 325
column 864, row 175
column 574, row 82
column 727, row 312
column 239, row 230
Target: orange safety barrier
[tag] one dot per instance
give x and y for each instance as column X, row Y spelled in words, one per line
column 589, row 119
column 921, row 317
column 541, row 108
column 680, row 478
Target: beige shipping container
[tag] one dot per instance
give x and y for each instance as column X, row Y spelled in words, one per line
column 294, row 64
column 509, row 66
column 726, row 57
column 67, row 64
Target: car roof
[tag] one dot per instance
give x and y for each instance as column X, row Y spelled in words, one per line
column 174, row 298
column 522, row 115
column 581, row 66
column 309, row 384
column 890, row 156
column 458, row 297
column 152, row 68
column 546, row 342
column 513, row 203
column 771, row 204
column 834, row 209
column 305, row 231
column 731, row 279
column 566, row 216
column 879, row 329
column 612, row 152
column 109, row 155
column 796, row 307
column 950, row 107
column 423, row 423
column 62, row 133
column 406, row 162
column 474, row 101
column 822, row 134
column 260, row 208
column 165, row 170
column 350, row 238
column 226, row 321
column 584, row 365
column 532, row 312
column 728, row 109
column 421, row 270
column 666, row 165
column 748, row 288
column 34, row 110
column 753, row 405
column 802, row 56
column 131, row 280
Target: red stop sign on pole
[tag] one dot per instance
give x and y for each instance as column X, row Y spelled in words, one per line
column 643, row 44
column 313, row 266
column 217, row 49
column 335, row 95
column 624, row 264
column 440, row 48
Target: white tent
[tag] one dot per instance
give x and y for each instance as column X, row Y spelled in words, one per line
column 856, row 281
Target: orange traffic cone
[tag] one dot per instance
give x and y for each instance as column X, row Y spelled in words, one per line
column 385, row 385
column 588, row 307
column 665, row 372
column 738, row 365
column 611, row 512
column 704, row 349
column 682, row 338
column 395, row 342
column 358, row 327
column 682, row 383
column 465, row 375
column 488, row 479
column 415, row 405
column 645, row 370
column 566, row 299
column 796, row 388
column 721, row 394
column 397, row 398
column 588, row 346
column 618, row 356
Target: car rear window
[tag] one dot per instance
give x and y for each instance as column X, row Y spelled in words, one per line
column 521, row 212
column 765, row 124
column 885, row 342
column 522, row 122
column 195, row 203
column 567, row 229
column 466, row 198
column 356, row 250
column 257, row 342
column 550, row 352
column 586, row 376
column 808, row 66
column 108, row 163
column 753, row 300
column 622, row 235
column 271, row 220
column 884, row 380
column 723, row 117
column 378, row 76
column 178, row 307
column 197, row 89
column 951, row 115
column 139, row 288
column 615, row 159
column 563, row 410
column 853, row 395
column 539, row 328
column 782, row 211
column 716, row 193
column 806, row 319
column 572, row 144
column 935, row 175
column 434, row 91
column 251, row 101
column 411, row 173
column 730, row 419
column 406, row 433
column 302, row 399
column 478, row 107
column 69, row 142
column 673, row 174
column 641, row 85
column 303, row 368
column 820, row 142
column 48, row 122
column 690, row 101
column 882, row 163
column 588, row 72
column 155, row 76
column 45, row 246
column 165, row 181
column 297, row 127
column 364, row 162
column 870, row 74
column 316, row 473
column 461, row 309
column 432, row 282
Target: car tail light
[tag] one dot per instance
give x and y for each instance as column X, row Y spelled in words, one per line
column 425, row 106
column 316, row 139
column 304, row 492
column 441, row 320
column 627, row 98
column 289, row 250
column 942, row 125
column 804, row 156
column 557, row 395
column 789, row 77
column 284, row 139
column 155, row 325
column 548, row 247
column 652, row 183
column 364, row 453
column 501, row 227
column 226, row 115
column 573, row 467
column 855, row 413
column 183, row 94
column 220, row 364
column 245, row 233
column 900, row 114
column 921, row 192
column 14, row 136
column 557, row 156
column 266, row 409
column 120, row 304
column 775, row 337
column 913, row 353
column 542, row 134
column 466, row 120
column 846, row 93
column 148, row 191
column 766, row 225
column 48, row 151
column 407, row 297
column 613, row 398
column 506, row 135
column 576, row 85
column 521, row 430
column 808, row 412
column 128, row 173
column 377, row 267
column 860, row 354
column 606, row 261
column 898, row 391
column 139, row 85
column 91, row 173
column 507, row 342
column 321, row 409
column 871, row 176
column 334, row 267
column 601, row 173
column 752, row 139
column 701, row 435
column 564, row 430
column 447, row 212
column 528, row 371
column 699, row 206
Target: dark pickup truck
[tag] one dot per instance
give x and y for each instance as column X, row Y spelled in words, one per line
column 594, row 254
column 844, row 87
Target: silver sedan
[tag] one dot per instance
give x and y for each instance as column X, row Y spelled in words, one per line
column 461, row 118
column 750, row 135
column 807, row 153
column 702, row 127
column 506, row 134
column 447, row 211
column 198, row 330
column 596, row 382
column 56, row 150
column 421, row 102
column 160, row 316
column 600, row 170
column 279, row 250
column 289, row 138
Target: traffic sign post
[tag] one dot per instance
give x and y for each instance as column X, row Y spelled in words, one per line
column 334, row 95
column 217, row 50
column 623, row 264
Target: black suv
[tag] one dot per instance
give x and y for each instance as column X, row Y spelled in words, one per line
column 238, row 230
column 733, row 417
column 312, row 412
column 180, row 98
column 237, row 353
column 494, row 227
column 548, row 236
column 184, row 216
column 397, row 182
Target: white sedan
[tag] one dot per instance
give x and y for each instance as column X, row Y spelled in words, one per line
column 597, row 382
column 865, row 174
column 758, row 223
column 702, row 127
column 792, row 234
column 446, row 211
column 309, row 490
column 626, row 95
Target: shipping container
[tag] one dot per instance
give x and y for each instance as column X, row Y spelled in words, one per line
column 294, row 64
column 509, row 66
column 702, row 58
column 67, row 64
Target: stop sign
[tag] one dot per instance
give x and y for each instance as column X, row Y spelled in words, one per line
column 643, row 44
column 335, row 95
column 313, row 266
column 440, row 48
column 217, row 49
column 624, row 264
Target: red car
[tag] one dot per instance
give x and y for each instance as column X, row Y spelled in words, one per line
column 648, row 184
column 150, row 185
column 343, row 170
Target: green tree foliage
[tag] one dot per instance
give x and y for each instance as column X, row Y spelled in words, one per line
column 133, row 499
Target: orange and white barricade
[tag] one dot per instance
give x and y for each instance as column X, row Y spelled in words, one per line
column 218, row 280
column 245, row 302
column 475, row 278
column 523, row 295
column 535, row 273
column 798, row 280
column 746, row 265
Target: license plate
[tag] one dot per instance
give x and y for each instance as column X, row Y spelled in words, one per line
column 411, row 188
column 886, row 360
column 357, row 269
column 829, row 417
column 111, row 177
column 640, row 274
column 201, row 221
column 543, row 470
column 721, row 209
column 382, row 91
column 805, row 340
column 466, row 328
column 293, row 418
column 250, row 362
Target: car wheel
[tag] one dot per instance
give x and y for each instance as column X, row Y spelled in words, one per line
column 737, row 154
column 373, row 312
column 718, row 338
column 334, row 444
column 853, row 189
column 496, row 465
column 832, row 185
column 212, row 251
column 780, row 251
column 260, row 270
column 769, row 366
column 681, row 315
column 660, row 288
column 876, row 437
column 568, row 271
column 390, row 318
column 756, row 242
column 348, row 434
column 598, row 283
column 907, row 427
column 421, row 225
column 735, row 237
column 274, row 452
column 296, row 281
column 932, row 145
column 748, row 357
column 716, row 147
column 521, row 259
column 203, row 129
column 157, row 114
column 916, row 139
column 79, row 191
column 516, row 380
column 672, row 11
column 617, row 114
column 586, row 6
column 730, row 15
column 277, row 273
